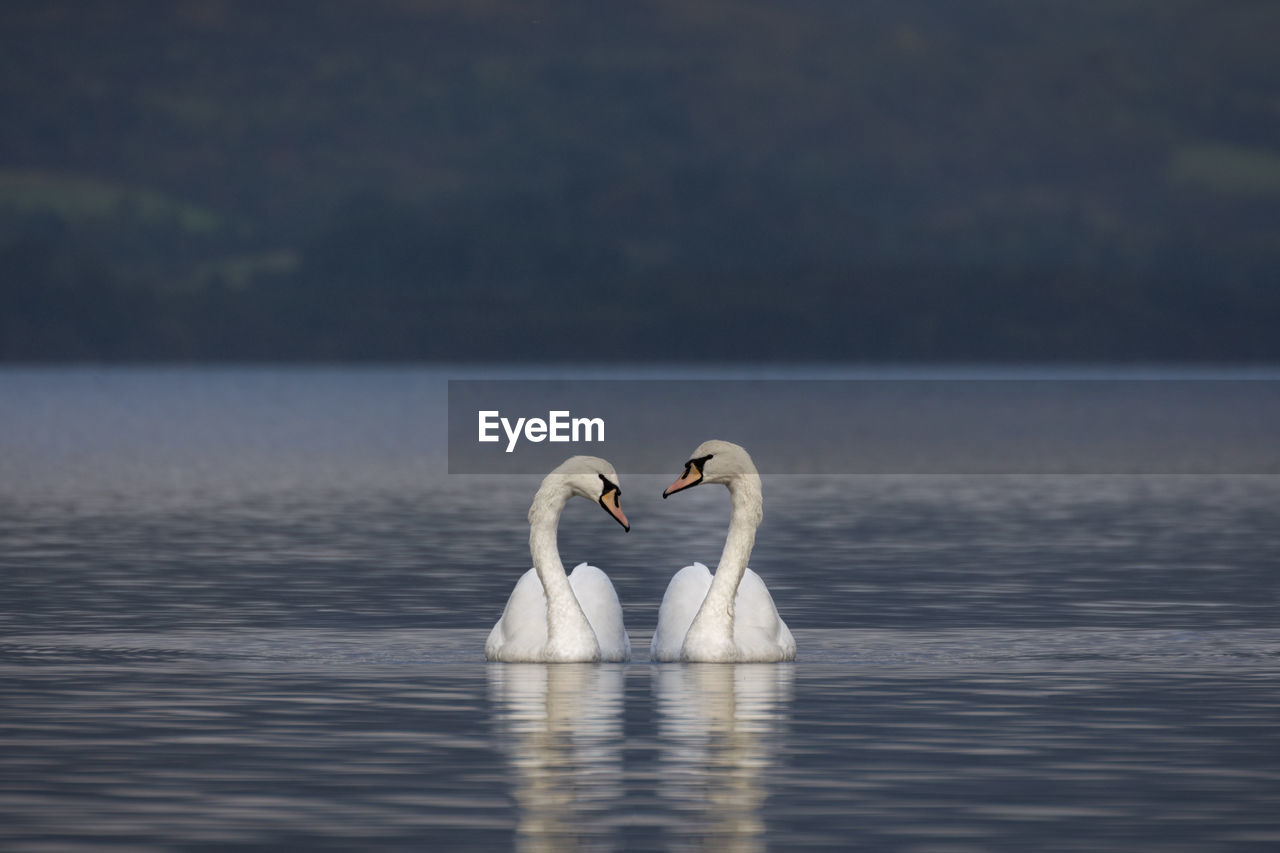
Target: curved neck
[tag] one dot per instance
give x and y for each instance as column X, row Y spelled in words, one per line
column 567, row 625
column 714, row 621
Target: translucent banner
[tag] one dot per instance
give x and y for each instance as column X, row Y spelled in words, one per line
column 873, row 426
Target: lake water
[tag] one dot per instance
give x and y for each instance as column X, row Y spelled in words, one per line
column 246, row 607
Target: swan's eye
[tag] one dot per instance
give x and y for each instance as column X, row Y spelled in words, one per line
column 697, row 463
column 609, row 486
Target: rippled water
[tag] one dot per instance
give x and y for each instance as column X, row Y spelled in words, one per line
column 963, row 739
column 246, row 607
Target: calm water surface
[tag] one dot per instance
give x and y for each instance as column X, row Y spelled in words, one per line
column 247, row 608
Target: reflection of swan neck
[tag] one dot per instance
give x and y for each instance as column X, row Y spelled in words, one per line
column 720, row 728
column 561, row 727
column 567, row 625
column 715, row 617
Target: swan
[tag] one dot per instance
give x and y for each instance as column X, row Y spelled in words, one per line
column 551, row 617
column 728, row 618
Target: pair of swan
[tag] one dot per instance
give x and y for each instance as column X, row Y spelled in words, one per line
column 726, row 618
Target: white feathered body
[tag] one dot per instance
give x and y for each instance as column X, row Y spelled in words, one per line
column 521, row 634
column 759, row 634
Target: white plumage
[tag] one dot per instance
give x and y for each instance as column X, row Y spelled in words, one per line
column 759, row 634
column 728, row 617
column 521, row 633
column 551, row 617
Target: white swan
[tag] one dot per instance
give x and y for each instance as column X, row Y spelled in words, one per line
column 551, row 617
column 728, row 618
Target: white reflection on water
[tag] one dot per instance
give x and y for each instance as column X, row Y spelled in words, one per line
column 560, row 726
column 718, row 727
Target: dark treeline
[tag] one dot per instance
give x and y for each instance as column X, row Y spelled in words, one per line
column 396, row 181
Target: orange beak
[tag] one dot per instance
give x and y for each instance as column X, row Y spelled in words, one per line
column 612, row 504
column 692, row 476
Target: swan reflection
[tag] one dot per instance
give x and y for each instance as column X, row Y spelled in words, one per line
column 561, row 725
column 719, row 726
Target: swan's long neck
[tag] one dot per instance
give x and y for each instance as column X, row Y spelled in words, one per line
column 713, row 626
column 569, row 634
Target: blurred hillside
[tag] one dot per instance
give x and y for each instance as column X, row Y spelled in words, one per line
column 465, row 179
